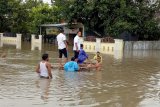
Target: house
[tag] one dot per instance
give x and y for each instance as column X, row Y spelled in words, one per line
column 50, row 31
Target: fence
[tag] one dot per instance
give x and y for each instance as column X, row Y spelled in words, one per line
column 11, row 40
column 36, row 43
column 142, row 45
column 106, row 46
column 103, row 45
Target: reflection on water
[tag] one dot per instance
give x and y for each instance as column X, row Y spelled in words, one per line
column 132, row 80
column 44, row 85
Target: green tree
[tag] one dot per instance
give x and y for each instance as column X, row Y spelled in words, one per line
column 112, row 17
column 29, row 4
column 4, row 15
column 41, row 14
column 14, row 15
column 62, row 11
column 18, row 16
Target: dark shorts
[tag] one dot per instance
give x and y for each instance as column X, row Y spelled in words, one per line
column 44, row 77
column 76, row 54
column 63, row 52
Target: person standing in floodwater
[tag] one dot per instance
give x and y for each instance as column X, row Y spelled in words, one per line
column 76, row 46
column 62, row 47
column 44, row 67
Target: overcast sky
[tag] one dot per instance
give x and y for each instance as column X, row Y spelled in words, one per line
column 47, row 1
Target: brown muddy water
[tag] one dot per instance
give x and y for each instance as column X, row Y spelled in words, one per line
column 130, row 81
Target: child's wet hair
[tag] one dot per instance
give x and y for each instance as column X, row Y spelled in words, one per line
column 72, row 59
column 44, row 56
column 81, row 45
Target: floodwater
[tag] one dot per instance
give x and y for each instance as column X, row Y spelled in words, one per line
column 130, row 81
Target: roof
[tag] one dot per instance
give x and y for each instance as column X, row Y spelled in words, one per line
column 53, row 25
column 62, row 24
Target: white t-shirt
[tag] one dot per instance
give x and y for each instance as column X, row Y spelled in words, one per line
column 76, row 40
column 60, row 39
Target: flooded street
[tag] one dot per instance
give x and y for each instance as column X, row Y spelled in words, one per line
column 130, row 81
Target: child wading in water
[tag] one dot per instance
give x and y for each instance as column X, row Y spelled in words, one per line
column 82, row 55
column 98, row 59
column 96, row 62
column 44, row 67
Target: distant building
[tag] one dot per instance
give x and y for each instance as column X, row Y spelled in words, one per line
column 50, row 31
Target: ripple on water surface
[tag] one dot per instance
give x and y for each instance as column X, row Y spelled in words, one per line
column 133, row 81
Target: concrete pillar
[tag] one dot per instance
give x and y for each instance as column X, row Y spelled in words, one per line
column 118, row 48
column 1, row 39
column 36, row 42
column 40, row 42
column 19, row 40
column 118, row 44
column 81, row 40
column 98, row 44
column 32, row 41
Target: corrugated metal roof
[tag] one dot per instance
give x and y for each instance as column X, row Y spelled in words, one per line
column 62, row 24
column 53, row 25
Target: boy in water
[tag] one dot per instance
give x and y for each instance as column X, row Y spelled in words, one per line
column 44, row 67
column 82, row 55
